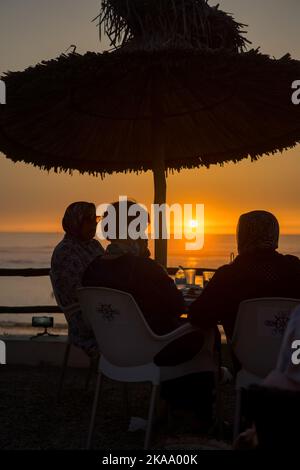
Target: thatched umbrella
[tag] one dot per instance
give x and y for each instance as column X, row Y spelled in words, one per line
column 178, row 91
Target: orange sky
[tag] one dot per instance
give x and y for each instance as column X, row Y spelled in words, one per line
column 32, row 200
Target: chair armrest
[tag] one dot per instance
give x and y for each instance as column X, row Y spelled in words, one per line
column 178, row 333
column 182, row 349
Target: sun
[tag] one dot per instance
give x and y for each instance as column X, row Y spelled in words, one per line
column 193, row 223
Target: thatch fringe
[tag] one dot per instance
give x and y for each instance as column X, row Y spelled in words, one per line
column 43, row 125
column 152, row 24
column 17, row 153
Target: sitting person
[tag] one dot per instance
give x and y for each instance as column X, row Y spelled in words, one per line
column 258, row 271
column 69, row 260
column 127, row 266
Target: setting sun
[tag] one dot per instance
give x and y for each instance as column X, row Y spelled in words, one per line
column 193, row 223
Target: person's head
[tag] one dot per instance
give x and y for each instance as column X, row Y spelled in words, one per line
column 80, row 220
column 257, row 230
column 130, row 233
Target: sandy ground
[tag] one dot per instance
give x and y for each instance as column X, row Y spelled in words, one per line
column 31, row 418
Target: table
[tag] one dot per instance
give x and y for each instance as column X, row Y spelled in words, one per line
column 190, row 294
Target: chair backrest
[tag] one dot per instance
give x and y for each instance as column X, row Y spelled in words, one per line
column 121, row 331
column 258, row 332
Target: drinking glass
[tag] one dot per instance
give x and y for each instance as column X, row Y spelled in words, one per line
column 190, row 275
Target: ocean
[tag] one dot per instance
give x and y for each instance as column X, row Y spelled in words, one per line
column 33, row 250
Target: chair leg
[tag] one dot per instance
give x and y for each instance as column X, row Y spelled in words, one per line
column 150, row 416
column 237, row 416
column 63, row 372
column 94, row 410
column 89, row 374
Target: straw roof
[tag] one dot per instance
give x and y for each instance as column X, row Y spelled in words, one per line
column 93, row 112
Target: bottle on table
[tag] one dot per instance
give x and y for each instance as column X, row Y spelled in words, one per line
column 180, row 279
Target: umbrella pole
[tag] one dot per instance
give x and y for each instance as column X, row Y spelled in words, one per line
column 160, row 197
column 159, row 169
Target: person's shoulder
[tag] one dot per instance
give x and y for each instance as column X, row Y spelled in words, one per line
column 60, row 245
column 290, row 259
column 66, row 245
column 226, row 269
column 150, row 264
column 226, row 273
column 61, row 248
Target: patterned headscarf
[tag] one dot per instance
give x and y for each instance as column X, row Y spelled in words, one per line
column 257, row 230
column 75, row 215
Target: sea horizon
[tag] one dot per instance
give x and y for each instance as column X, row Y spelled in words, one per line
column 34, row 249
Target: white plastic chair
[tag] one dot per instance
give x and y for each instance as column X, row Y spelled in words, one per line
column 256, row 341
column 128, row 346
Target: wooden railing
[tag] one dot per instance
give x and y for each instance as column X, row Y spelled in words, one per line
column 41, row 272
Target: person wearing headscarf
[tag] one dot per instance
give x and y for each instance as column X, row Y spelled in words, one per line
column 258, row 271
column 69, row 260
